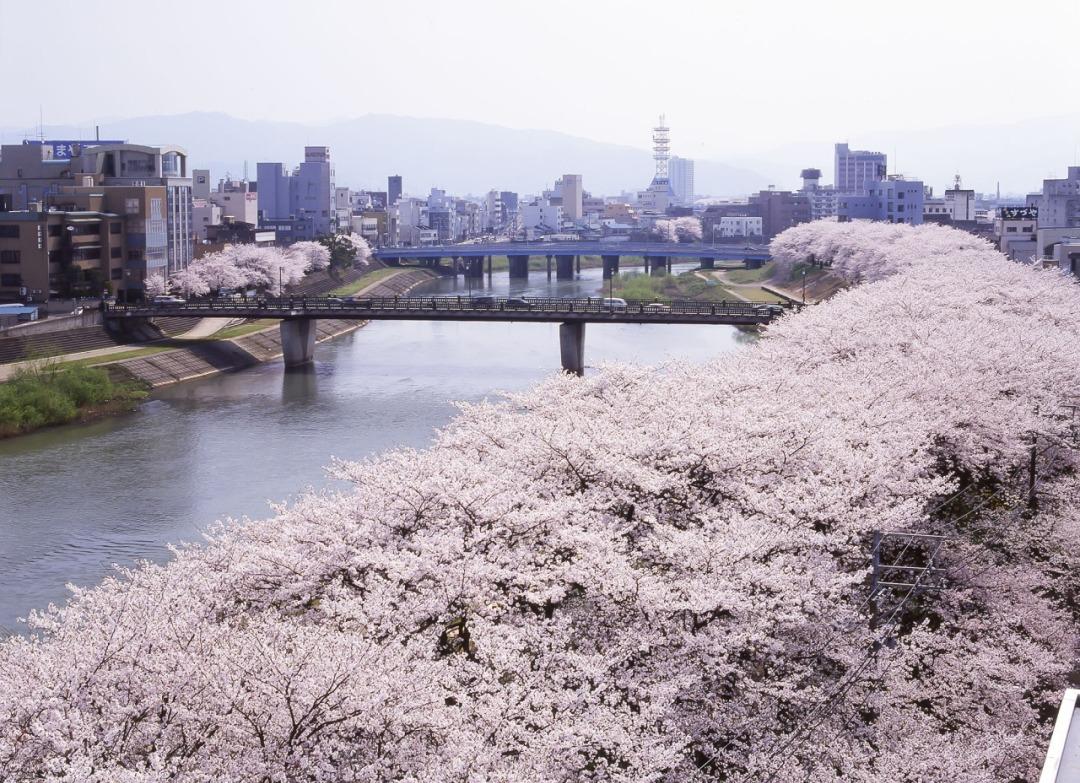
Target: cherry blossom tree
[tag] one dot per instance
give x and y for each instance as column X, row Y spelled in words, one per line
column 314, row 255
column 664, row 231
column 189, row 282
column 687, row 229
column 654, row 574
column 154, row 284
column 219, row 271
column 347, row 250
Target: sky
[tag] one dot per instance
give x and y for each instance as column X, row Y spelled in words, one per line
column 733, row 78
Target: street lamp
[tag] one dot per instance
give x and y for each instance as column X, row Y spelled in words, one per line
column 804, row 287
column 280, row 287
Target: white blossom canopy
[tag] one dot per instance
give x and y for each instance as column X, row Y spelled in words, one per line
column 642, row 575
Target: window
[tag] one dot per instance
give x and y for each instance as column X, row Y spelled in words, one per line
column 9, row 232
column 117, row 274
column 1026, row 228
column 115, row 253
column 134, row 255
column 11, row 281
column 55, row 230
column 10, row 256
column 1011, row 229
column 114, row 228
column 131, row 206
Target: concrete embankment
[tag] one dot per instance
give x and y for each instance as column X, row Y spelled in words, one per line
column 209, row 358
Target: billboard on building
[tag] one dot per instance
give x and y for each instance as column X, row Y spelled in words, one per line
column 66, row 149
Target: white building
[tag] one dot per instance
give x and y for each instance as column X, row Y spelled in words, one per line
column 738, row 226
column 1059, row 202
column 541, row 217
column 857, row 170
column 204, row 213
column 569, row 187
column 681, row 179
column 961, row 203
column 822, row 197
column 1015, row 228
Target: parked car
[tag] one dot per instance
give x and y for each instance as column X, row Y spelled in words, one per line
column 230, row 294
column 359, row 301
column 167, row 299
column 614, row 303
column 768, row 309
column 517, row 303
column 656, row 307
column 482, row 301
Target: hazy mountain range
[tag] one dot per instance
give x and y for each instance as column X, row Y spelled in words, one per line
column 473, row 157
column 462, row 157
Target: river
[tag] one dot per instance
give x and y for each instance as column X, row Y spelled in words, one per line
column 76, row 499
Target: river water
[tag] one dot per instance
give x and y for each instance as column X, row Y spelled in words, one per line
column 76, row 499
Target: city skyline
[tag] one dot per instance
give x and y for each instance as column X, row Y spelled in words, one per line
column 383, row 62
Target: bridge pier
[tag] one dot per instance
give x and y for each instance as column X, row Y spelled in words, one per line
column 549, row 267
column 577, row 260
column 474, row 267
column 611, row 266
column 572, row 347
column 298, row 341
column 708, row 263
column 519, row 267
column 657, row 265
column 489, row 267
column 564, row 267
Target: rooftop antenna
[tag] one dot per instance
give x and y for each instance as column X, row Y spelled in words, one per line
column 41, row 123
column 245, row 171
column 956, row 181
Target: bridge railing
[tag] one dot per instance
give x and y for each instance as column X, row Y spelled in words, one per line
column 321, row 304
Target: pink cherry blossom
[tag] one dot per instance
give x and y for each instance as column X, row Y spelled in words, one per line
column 645, row 574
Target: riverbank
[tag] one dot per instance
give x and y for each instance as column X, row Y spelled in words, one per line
column 107, row 384
column 239, row 352
column 701, row 286
column 48, row 394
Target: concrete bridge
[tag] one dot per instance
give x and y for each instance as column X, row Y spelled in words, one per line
column 469, row 258
column 299, row 314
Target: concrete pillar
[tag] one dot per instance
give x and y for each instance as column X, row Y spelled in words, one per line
column 572, row 347
column 519, row 267
column 474, row 267
column 708, row 263
column 611, row 266
column 656, row 265
column 578, row 263
column 298, row 341
column 564, row 267
column 489, row 267
column 669, row 265
column 549, row 267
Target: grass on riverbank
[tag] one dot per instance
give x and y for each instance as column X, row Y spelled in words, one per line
column 685, row 286
column 242, row 330
column 372, row 277
column 46, row 393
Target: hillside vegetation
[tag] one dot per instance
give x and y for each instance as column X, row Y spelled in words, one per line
column 641, row 575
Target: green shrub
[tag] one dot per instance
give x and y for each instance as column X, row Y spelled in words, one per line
column 44, row 394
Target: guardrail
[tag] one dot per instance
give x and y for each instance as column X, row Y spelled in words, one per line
column 298, row 306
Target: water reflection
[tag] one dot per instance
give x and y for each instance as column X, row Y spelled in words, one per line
column 75, row 499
